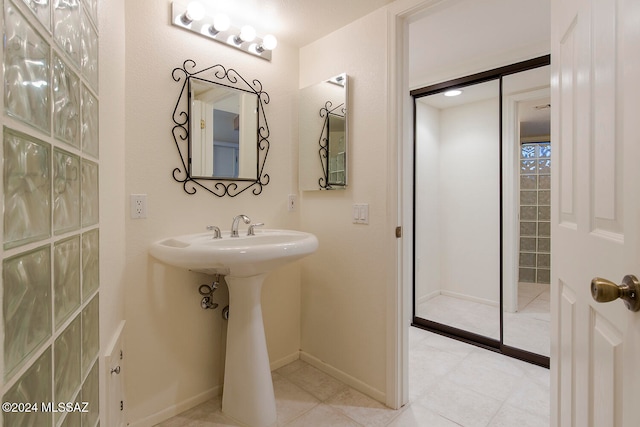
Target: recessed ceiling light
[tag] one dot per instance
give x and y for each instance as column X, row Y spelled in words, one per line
column 453, row 92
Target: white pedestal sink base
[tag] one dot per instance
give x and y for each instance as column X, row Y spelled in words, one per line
column 248, row 389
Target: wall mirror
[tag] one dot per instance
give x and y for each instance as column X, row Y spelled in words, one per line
column 323, row 126
column 220, row 131
column 482, row 209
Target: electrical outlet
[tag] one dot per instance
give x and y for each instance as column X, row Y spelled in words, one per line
column 138, row 206
column 293, row 202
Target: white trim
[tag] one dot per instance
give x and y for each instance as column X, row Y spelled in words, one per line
column 178, row 408
column 400, row 192
column 285, row 360
column 343, row 376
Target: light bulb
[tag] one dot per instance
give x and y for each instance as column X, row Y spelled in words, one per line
column 195, row 12
column 247, row 33
column 269, row 42
column 221, row 22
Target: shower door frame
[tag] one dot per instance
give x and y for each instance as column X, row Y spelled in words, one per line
column 440, row 328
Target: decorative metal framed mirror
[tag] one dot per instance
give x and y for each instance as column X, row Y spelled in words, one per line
column 220, row 130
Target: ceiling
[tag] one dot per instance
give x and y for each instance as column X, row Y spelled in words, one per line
column 294, row 22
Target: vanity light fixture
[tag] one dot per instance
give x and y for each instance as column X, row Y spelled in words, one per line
column 453, row 92
column 194, row 17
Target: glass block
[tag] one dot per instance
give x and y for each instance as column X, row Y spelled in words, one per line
column 527, row 228
column 544, row 213
column 91, row 7
column 544, row 166
column 90, row 334
column 544, row 228
column 528, row 244
column 527, row 166
column 544, row 182
column 26, row 305
column 91, row 395
column 527, row 275
column 89, row 123
column 66, row 103
column 544, row 244
column 72, row 419
column 543, row 276
column 66, row 191
column 544, row 260
column 33, row 386
column 66, row 278
column 66, row 350
column 544, row 150
column 42, row 10
column 528, row 151
column 27, row 189
column 528, row 213
column 528, row 197
column 26, row 71
column 527, row 260
column 528, row 182
column 544, row 197
column 89, row 58
column 67, row 28
column 90, row 263
column 89, row 193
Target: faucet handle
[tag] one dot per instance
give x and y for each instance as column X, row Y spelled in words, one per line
column 216, row 231
column 251, row 231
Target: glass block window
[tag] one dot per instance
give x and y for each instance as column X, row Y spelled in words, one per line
column 535, row 213
column 50, row 242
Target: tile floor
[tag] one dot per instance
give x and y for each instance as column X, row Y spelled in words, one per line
column 527, row 329
column 450, row 384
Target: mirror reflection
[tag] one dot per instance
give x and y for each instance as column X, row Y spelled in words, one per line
column 482, row 204
column 223, row 131
column 527, row 229
column 457, row 209
column 323, row 124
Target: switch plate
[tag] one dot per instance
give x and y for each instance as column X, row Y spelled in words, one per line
column 138, row 204
column 361, row 213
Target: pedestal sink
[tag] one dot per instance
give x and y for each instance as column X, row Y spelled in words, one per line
column 244, row 261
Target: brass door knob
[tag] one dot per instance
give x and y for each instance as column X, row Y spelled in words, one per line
column 603, row 290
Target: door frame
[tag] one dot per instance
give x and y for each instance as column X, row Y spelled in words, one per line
column 400, row 190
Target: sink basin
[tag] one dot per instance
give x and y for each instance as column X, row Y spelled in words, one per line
column 235, row 256
column 245, row 261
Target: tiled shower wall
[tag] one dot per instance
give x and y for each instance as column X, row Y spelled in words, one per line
column 535, row 212
column 50, row 233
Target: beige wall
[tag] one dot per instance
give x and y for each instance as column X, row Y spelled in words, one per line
column 344, row 286
column 175, row 349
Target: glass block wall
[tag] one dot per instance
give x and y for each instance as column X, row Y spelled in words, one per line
column 50, row 233
column 535, row 213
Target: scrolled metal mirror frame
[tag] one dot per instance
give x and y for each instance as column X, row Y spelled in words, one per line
column 230, row 78
column 325, row 112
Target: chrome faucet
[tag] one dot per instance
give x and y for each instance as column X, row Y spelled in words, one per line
column 234, row 224
column 216, row 231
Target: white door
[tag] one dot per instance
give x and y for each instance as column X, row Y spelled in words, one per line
column 596, row 220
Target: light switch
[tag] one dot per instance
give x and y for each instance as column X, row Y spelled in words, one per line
column 361, row 213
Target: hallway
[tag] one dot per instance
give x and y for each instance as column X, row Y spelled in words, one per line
column 450, row 384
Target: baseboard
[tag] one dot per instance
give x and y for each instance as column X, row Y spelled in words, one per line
column 178, row 408
column 427, row 297
column 285, row 360
column 470, row 298
column 344, row 377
